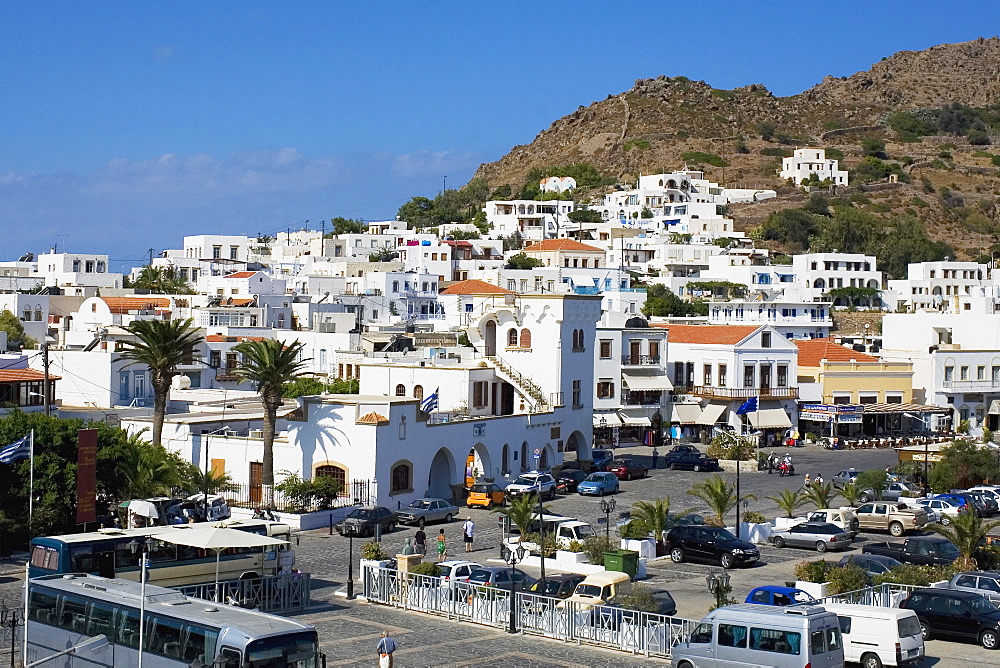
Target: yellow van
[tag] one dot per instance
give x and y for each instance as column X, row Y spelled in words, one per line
column 601, row 589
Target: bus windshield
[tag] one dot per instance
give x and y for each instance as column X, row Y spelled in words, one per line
column 296, row 650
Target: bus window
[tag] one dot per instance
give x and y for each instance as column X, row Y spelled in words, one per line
column 42, row 607
column 74, row 614
column 127, row 630
column 125, row 555
column 81, row 559
column 160, row 551
column 100, row 621
column 165, row 637
column 44, row 557
column 199, row 643
column 229, row 658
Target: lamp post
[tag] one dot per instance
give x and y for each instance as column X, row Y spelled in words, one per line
column 718, row 585
column 513, row 557
column 139, row 544
column 607, row 507
column 350, row 565
column 541, row 537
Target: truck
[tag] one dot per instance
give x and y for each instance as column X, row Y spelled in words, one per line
column 896, row 518
column 924, row 550
column 564, row 529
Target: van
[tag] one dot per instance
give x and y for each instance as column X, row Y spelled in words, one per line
column 600, row 589
column 747, row 634
column 878, row 636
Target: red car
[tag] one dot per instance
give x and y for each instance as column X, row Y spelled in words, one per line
column 626, row 469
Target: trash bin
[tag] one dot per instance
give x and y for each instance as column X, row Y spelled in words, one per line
column 622, row 561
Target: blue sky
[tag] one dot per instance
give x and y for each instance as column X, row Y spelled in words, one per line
column 126, row 125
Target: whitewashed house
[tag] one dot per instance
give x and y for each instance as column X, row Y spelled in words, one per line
column 812, row 162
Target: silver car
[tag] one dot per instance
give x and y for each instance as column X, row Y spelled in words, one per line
column 984, row 583
column 423, row 511
column 820, row 536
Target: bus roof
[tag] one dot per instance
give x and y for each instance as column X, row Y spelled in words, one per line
column 171, row 603
column 277, row 527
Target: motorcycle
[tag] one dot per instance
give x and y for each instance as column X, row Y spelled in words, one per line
column 786, row 469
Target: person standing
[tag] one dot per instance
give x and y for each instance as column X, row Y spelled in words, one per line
column 468, row 528
column 385, row 647
column 442, row 546
column 770, row 463
column 656, row 456
column 420, row 541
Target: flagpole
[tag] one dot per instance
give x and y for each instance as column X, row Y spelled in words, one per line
column 31, row 483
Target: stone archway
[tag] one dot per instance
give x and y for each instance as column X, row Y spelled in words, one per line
column 441, row 475
column 546, row 458
column 481, row 461
column 578, row 443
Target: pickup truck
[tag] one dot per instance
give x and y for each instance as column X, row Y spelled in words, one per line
column 925, row 550
column 897, row 518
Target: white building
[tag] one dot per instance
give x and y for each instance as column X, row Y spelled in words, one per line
column 532, row 219
column 557, row 184
column 818, row 273
column 943, row 286
column 31, row 309
column 77, row 270
column 812, row 163
column 790, row 317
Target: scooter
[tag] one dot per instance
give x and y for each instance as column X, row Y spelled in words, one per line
column 786, row 469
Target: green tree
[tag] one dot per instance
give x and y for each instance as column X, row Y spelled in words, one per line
column 968, row 463
column 520, row 512
column 522, row 261
column 874, row 480
column 340, row 225
column 345, row 386
column 302, row 387
column 162, row 281
column 269, row 364
column 855, row 296
column 873, row 146
column 162, row 346
column 585, row 216
column 821, row 495
column 850, row 230
column 718, row 495
column 966, row 531
column 654, row 514
column 660, row 301
column 11, row 324
column 793, row 227
column 789, row 500
column 850, row 492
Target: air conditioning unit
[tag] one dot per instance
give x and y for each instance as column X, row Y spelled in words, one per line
column 256, row 433
column 676, row 398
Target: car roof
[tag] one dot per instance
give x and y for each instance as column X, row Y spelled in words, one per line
column 563, row 577
column 985, row 574
column 817, row 525
column 493, row 569
column 956, row 593
column 457, row 562
column 431, row 498
column 778, row 589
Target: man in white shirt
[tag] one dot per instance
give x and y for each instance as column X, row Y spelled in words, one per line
column 468, row 528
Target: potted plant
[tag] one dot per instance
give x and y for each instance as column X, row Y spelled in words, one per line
column 755, row 527
column 571, row 555
column 788, row 501
column 373, row 558
column 635, row 537
column 813, row 578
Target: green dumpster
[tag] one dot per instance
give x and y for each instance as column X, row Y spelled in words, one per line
column 622, row 561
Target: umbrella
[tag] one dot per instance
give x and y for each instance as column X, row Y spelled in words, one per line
column 217, row 537
column 143, row 508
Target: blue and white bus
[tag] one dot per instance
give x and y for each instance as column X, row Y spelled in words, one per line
column 113, row 553
column 177, row 632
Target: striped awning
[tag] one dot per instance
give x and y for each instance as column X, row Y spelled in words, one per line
column 711, row 414
column 770, row 415
column 994, row 407
column 685, row 413
column 904, row 408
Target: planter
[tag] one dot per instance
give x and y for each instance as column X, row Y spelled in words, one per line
column 814, row 589
column 406, row 562
column 746, row 466
column 566, row 560
column 785, row 522
column 755, row 533
column 645, row 547
column 303, row 522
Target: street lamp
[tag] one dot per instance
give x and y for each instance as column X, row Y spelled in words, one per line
column 607, row 507
column 350, row 564
column 139, row 544
column 719, row 586
column 513, row 557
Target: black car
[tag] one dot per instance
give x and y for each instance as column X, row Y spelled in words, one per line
column 362, row 521
column 955, row 614
column 690, row 459
column 557, row 586
column 713, row 544
column 568, row 479
column 986, row 505
column 871, row 564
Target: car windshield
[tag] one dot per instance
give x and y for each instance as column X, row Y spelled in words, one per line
column 722, row 534
column 551, row 587
column 947, row 549
column 480, row 575
column 585, row 530
column 294, row 650
column 420, row 504
column 595, row 477
column 360, row 514
column 524, row 480
column 981, row 605
column 588, row 590
column 478, row 489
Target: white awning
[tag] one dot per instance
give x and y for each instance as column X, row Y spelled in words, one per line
column 641, row 381
column 685, row 413
column 994, row 407
column 771, row 416
column 711, row 414
column 635, row 420
column 610, row 419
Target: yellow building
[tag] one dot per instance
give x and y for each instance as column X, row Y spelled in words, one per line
column 851, row 377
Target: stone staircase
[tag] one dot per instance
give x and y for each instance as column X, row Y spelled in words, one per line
column 525, row 385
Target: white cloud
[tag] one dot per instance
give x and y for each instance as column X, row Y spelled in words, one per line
column 431, row 163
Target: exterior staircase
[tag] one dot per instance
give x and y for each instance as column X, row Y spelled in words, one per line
column 525, row 385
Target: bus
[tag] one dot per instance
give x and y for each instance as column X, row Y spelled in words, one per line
column 114, row 553
column 177, row 631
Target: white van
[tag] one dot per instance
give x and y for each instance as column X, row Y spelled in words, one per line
column 760, row 635
column 878, row 636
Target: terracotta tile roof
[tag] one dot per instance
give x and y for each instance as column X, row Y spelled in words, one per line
column 240, row 274
column 719, row 334
column 560, row 245
column 219, row 338
column 126, row 304
column 14, row 375
column 373, row 418
column 812, row 351
column 475, row 287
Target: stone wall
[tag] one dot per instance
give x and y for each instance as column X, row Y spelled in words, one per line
column 853, row 322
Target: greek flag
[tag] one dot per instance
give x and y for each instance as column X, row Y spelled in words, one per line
column 430, row 404
column 16, row 451
column 748, row 406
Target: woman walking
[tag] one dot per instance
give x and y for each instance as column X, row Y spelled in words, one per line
column 442, row 546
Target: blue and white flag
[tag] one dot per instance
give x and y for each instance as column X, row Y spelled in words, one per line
column 748, row 406
column 430, row 404
column 16, row 451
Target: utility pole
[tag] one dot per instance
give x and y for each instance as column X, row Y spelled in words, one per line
column 151, row 251
column 45, row 388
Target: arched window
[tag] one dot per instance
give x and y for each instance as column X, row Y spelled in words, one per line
column 400, row 390
column 525, row 338
column 524, row 456
column 819, row 283
column 511, row 338
column 401, row 478
column 38, row 313
column 418, row 391
column 333, row 471
column 505, row 460
column 543, row 460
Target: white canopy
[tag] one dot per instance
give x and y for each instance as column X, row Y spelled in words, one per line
column 770, row 417
column 143, row 508
column 685, row 413
column 711, row 414
column 637, row 381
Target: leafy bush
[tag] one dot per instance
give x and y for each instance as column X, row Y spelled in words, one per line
column 574, row 546
column 426, row 568
column 753, row 517
column 547, row 547
column 700, row 157
column 915, row 575
column 835, row 153
column 848, row 578
column 874, row 147
column 639, row 598
column 813, row 571
column 595, row 547
column 916, row 201
column 776, row 152
column 635, row 530
column 640, row 144
column 727, row 448
column 372, row 550
column 978, row 138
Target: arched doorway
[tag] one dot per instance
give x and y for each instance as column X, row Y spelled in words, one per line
column 478, row 464
column 490, row 338
column 524, row 456
column 578, row 443
column 505, row 461
column 441, row 475
column 545, row 458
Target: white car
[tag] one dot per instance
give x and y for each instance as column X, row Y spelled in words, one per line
column 457, row 570
column 945, row 510
column 843, row 518
column 534, row 482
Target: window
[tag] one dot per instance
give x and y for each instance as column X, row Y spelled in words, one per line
column 773, row 640
column 708, row 375
column 605, row 389
column 418, row 391
column 995, row 374
column 577, row 392
column 512, row 338
column 765, row 339
column 733, row 636
column 964, row 372
column 400, row 390
column 722, row 375
column 233, row 250
column 216, row 252
column 401, row 478
column 894, row 398
column 817, row 642
column 749, row 376
column 606, row 350
column 702, row 634
column 782, row 379
column 480, row 394
column 525, row 338
column 332, row 471
column 654, row 350
column 949, row 374
column 981, row 372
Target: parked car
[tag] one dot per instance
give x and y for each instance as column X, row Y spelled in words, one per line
column 876, row 637
column 499, row 577
column 713, row 544
column 626, row 469
column 568, row 479
column 985, row 503
column 965, row 501
column 946, row 511
column 822, row 536
column 897, row 518
column 422, row 511
column 557, row 586
column 671, row 521
column 362, row 521
column 872, row 564
column 895, row 491
column 682, row 447
column 989, row 490
column 599, row 484
column 690, row 459
column 841, row 478
column 601, row 459
column 456, row 570
column 534, row 482
column 776, row 595
column 955, row 614
column 984, row 583
column 916, row 550
column 485, row 495
column 844, row 518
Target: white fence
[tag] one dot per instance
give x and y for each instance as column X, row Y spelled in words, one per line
column 886, row 595
column 616, row 628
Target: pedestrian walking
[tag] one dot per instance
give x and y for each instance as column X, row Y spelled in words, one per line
column 656, row 456
column 420, row 541
column 468, row 528
column 442, row 546
column 770, row 463
column 385, row 647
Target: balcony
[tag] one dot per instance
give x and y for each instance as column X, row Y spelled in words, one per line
column 640, row 360
column 739, row 392
column 971, row 385
column 642, row 398
column 227, row 373
column 586, row 290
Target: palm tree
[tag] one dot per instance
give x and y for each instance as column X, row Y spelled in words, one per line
column 162, row 346
column 655, row 514
column 789, row 501
column 269, row 364
column 966, row 531
column 150, row 470
column 820, row 494
column 719, row 495
column 521, row 513
column 850, row 492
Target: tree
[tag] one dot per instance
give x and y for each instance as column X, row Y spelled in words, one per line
column 654, row 514
column 660, row 301
column 793, row 227
column 968, row 463
column 269, row 364
column 850, row 230
column 854, row 296
column 162, row 345
column 302, row 387
column 966, row 531
column 876, row 480
column 850, row 492
column 874, row 147
column 789, row 500
column 163, row 280
column 719, row 495
column 521, row 513
column 522, row 261
column 15, row 330
column 345, row 226
column 585, row 216
column 821, row 494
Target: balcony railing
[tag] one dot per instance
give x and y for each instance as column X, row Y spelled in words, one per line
column 640, row 360
column 981, row 385
column 642, row 398
column 739, row 392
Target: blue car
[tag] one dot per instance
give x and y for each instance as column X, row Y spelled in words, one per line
column 598, row 484
column 601, row 459
column 775, row 595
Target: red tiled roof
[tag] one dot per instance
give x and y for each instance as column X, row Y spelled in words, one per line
column 14, row 375
column 126, row 304
column 373, row 418
column 219, row 338
column 813, row 351
column 475, row 287
column 560, row 245
column 240, row 274
column 719, row 334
